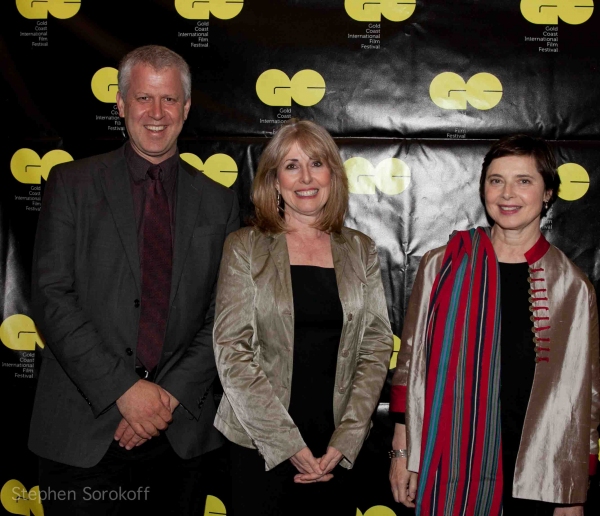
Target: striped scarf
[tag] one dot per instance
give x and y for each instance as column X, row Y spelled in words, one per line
column 461, row 467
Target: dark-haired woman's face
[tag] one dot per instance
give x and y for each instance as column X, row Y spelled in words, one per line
column 514, row 192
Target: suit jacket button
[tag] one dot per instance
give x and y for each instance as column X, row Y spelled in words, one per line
column 345, row 353
column 342, row 390
column 136, row 303
column 349, row 317
column 129, row 352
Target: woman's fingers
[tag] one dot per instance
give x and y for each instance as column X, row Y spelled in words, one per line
column 412, row 487
column 330, row 460
column 403, row 482
column 312, row 478
column 305, row 462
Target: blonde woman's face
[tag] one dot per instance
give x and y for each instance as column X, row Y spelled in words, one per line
column 304, row 184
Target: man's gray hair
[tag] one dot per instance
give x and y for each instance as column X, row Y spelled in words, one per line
column 158, row 58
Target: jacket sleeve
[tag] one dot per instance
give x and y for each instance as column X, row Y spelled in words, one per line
column 189, row 380
column 371, row 369
column 408, row 381
column 99, row 375
column 413, row 325
column 246, row 386
column 595, row 365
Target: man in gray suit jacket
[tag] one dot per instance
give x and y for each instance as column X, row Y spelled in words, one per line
column 124, row 273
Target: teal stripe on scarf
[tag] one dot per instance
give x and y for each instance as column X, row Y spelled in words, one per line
column 471, row 419
column 443, row 369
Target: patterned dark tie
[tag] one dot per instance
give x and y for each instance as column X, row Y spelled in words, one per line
column 157, row 256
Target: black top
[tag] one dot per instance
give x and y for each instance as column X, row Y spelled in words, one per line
column 517, row 359
column 318, row 320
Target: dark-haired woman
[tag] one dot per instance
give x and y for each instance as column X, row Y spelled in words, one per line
column 496, row 393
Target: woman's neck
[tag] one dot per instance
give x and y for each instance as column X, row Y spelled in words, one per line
column 511, row 245
column 303, row 227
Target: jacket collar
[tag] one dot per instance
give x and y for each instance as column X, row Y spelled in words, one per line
column 539, row 249
column 189, row 201
column 340, row 250
column 537, row 252
column 115, row 183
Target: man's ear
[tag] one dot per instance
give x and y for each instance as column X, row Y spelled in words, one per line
column 120, row 105
column 186, row 108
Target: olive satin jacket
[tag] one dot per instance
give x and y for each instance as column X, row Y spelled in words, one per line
column 254, row 339
column 559, row 443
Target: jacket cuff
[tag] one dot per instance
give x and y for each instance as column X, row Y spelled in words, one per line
column 279, row 450
column 593, row 464
column 398, row 398
column 398, row 417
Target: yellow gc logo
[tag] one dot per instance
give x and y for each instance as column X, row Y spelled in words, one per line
column 372, row 10
column 18, row 332
column 449, row 91
column 28, row 168
column 201, row 9
column 17, row 500
column 39, row 9
column 219, row 167
column 105, row 85
column 547, row 12
column 214, row 506
column 394, row 359
column 275, row 88
column 574, row 181
column 391, row 176
column 377, row 510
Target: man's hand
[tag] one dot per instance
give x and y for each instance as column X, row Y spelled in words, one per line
column 173, row 401
column 127, row 438
column 146, row 407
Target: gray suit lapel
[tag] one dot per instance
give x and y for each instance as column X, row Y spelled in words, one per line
column 117, row 188
column 189, row 197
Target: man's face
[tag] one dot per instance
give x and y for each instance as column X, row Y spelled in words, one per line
column 154, row 111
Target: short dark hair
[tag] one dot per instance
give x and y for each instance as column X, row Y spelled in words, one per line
column 157, row 57
column 525, row 145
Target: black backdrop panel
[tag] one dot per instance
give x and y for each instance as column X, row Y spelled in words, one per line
column 414, row 94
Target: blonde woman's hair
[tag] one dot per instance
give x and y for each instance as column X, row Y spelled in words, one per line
column 317, row 143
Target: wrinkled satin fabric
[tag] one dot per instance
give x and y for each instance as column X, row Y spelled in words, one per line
column 254, row 339
column 560, row 430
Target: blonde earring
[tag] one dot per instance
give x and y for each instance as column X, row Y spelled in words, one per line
column 278, row 202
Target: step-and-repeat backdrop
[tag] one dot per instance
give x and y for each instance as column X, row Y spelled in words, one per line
column 413, row 91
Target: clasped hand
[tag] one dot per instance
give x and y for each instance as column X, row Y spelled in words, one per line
column 313, row 469
column 147, row 410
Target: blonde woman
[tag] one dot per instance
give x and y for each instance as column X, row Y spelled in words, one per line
column 302, row 337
